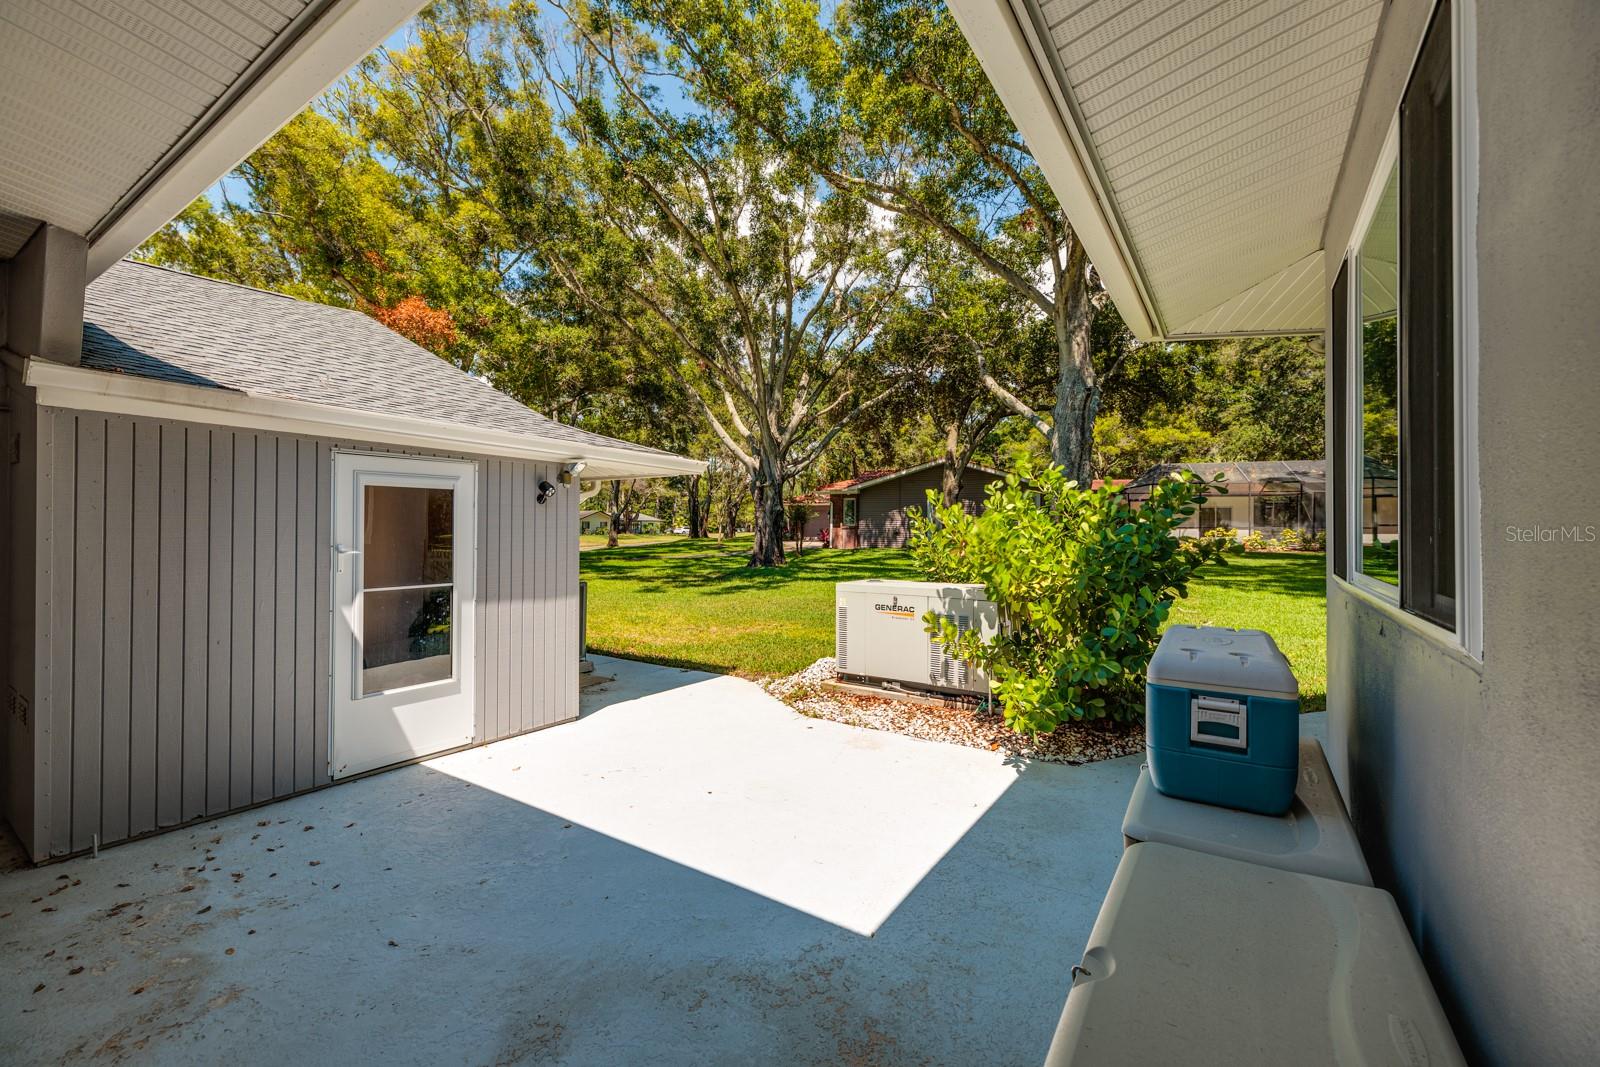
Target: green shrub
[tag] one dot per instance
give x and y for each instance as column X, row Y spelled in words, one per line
column 1255, row 542
column 1083, row 581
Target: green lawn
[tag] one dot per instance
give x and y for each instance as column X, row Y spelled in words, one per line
column 695, row 604
column 1282, row 593
column 587, row 541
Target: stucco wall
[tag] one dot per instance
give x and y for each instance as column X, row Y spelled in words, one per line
column 183, row 641
column 1473, row 785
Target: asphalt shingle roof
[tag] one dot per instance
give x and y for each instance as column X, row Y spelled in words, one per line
column 164, row 324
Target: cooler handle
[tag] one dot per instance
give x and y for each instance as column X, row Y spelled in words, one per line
column 1229, row 714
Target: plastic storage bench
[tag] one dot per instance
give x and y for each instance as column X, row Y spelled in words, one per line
column 1197, row 960
column 1313, row 837
column 1222, row 719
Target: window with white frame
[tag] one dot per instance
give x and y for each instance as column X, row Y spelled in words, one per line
column 1398, row 359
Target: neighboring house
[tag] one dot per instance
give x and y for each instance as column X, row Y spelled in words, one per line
column 1264, row 497
column 1412, row 182
column 873, row 510
column 819, row 506
column 598, row 522
column 259, row 545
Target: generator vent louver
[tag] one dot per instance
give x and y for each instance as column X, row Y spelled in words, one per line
column 842, row 643
column 963, row 624
column 944, row 668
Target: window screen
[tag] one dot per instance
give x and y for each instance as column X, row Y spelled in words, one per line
column 1427, row 336
column 1340, row 355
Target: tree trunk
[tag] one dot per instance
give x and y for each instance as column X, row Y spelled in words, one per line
column 768, row 490
column 955, row 464
column 1077, row 394
column 697, row 509
column 615, row 515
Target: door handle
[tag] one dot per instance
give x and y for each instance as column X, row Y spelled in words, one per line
column 341, row 551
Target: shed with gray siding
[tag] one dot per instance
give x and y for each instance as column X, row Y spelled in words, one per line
column 874, row 510
column 168, row 585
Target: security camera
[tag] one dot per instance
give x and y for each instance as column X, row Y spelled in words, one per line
column 571, row 471
column 545, row 491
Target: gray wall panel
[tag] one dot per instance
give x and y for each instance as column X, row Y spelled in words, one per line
column 196, row 444
column 170, row 665
column 323, row 646
column 144, row 728
column 1472, row 784
column 185, row 573
column 305, row 615
column 284, row 653
column 58, row 436
column 87, row 633
column 219, row 619
column 22, row 616
column 263, row 602
column 116, row 654
column 241, row 666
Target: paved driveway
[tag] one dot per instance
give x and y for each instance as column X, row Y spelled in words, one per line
column 691, row 873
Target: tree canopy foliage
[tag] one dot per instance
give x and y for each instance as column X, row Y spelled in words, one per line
column 801, row 241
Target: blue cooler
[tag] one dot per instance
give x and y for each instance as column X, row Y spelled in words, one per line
column 1222, row 719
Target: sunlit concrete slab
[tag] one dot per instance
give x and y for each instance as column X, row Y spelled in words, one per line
column 688, row 874
column 709, row 772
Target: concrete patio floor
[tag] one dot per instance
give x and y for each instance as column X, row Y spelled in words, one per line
column 691, row 873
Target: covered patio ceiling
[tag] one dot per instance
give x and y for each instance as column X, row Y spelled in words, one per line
column 1194, row 144
column 115, row 114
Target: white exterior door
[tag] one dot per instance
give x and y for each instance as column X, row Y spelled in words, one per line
column 404, row 531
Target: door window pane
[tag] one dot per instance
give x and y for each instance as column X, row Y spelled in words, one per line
column 406, row 637
column 1379, row 261
column 407, row 536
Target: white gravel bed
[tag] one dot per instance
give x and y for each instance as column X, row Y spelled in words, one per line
column 974, row 727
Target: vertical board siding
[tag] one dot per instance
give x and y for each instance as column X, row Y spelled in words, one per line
column 241, row 667
column 219, row 621
column 283, row 643
column 88, row 632
column 57, row 528
column 144, row 728
column 323, row 647
column 116, row 656
column 184, row 656
column 305, row 617
column 170, row 666
column 196, row 443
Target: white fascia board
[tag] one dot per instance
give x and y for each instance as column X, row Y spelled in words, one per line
column 313, row 51
column 996, row 31
column 79, row 389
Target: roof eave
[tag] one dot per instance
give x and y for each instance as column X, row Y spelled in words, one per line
column 82, row 389
column 1004, row 40
column 313, row 51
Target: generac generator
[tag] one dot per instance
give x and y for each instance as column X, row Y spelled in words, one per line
column 880, row 636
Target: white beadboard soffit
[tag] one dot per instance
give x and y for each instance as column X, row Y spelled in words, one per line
column 115, row 113
column 1214, row 131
